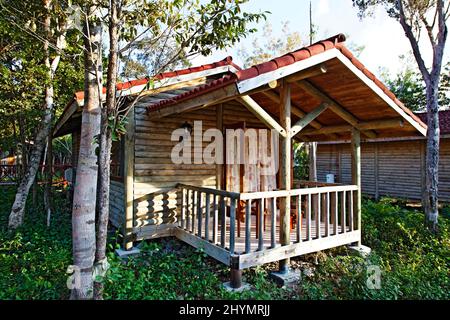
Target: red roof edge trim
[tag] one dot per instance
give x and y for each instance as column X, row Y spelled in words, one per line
column 228, row 61
column 200, row 90
column 256, row 70
column 291, row 57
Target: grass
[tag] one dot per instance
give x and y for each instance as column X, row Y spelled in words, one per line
column 413, row 263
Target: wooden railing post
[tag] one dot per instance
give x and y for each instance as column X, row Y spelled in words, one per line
column 232, row 224
column 199, row 213
column 183, row 207
column 356, row 177
column 223, row 221
column 193, row 213
column 207, row 213
column 273, row 225
column 215, row 219
column 260, row 225
column 248, row 218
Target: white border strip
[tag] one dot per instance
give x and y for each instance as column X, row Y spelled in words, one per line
column 169, row 81
column 252, row 83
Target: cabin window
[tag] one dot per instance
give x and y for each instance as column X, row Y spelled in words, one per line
column 117, row 163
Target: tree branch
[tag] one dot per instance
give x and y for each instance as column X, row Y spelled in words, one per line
column 415, row 46
column 438, row 50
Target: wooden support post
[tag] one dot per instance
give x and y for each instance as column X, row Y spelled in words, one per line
column 235, row 278
column 129, row 182
column 285, row 169
column 219, row 166
column 356, row 177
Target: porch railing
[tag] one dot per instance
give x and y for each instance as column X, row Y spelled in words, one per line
column 9, row 174
column 316, row 213
column 209, row 214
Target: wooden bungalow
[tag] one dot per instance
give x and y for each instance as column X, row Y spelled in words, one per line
column 317, row 93
column 393, row 167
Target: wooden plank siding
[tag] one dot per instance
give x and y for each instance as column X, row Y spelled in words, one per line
column 155, row 175
column 116, row 204
column 75, row 147
column 394, row 168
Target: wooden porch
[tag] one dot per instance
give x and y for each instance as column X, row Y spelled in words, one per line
column 323, row 217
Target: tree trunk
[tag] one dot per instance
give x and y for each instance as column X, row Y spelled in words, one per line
column 430, row 197
column 432, row 160
column 18, row 208
column 84, row 198
column 48, row 183
column 105, row 145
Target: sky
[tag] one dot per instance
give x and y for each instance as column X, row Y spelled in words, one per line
column 382, row 36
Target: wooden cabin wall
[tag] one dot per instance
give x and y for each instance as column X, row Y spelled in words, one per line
column 75, row 147
column 116, row 204
column 155, row 175
column 395, row 169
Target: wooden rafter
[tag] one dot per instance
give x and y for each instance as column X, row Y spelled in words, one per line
column 261, row 114
column 272, row 95
column 207, row 99
column 303, row 122
column 308, row 73
column 334, row 106
column 295, row 109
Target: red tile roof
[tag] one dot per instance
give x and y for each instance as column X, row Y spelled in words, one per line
column 228, row 61
column 255, row 71
column 282, row 61
column 291, row 57
column 444, row 120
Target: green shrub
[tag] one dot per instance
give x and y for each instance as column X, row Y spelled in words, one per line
column 414, row 264
column 33, row 260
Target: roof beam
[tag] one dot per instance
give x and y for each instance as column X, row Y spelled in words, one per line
column 367, row 125
column 67, row 114
column 272, row 95
column 334, row 106
column 261, row 114
column 219, row 95
column 308, row 73
column 303, row 122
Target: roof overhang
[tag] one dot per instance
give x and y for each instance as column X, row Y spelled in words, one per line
column 346, row 83
column 136, row 87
